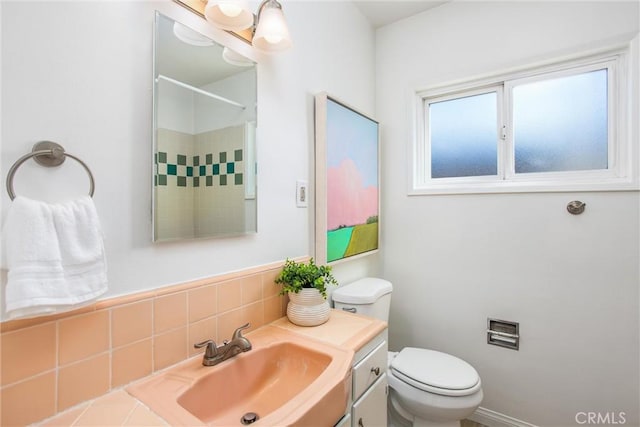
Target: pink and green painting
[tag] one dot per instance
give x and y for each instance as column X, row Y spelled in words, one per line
column 352, row 182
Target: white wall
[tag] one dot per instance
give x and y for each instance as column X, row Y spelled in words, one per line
column 571, row 281
column 80, row 73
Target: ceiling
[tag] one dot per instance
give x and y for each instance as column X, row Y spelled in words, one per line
column 383, row 12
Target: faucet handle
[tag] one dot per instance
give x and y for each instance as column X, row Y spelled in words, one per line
column 238, row 332
column 211, row 350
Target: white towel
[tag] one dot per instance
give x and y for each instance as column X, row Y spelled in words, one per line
column 55, row 256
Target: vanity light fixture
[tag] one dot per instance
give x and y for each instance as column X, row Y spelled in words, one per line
column 272, row 34
column 234, row 58
column 270, row 28
column 189, row 36
column 230, row 15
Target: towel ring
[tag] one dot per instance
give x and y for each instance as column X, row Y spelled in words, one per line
column 49, row 154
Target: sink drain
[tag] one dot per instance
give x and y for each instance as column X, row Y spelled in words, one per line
column 249, row 418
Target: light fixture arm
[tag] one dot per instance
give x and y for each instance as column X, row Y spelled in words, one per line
column 270, row 28
column 276, row 4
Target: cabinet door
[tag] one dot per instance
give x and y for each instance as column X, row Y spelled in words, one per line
column 371, row 409
column 369, row 369
column 344, row 421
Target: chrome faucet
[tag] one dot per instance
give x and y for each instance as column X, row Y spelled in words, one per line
column 215, row 354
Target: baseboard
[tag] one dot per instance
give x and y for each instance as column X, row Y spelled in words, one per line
column 491, row 418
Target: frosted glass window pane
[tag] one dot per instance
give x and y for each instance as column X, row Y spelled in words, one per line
column 561, row 124
column 463, row 134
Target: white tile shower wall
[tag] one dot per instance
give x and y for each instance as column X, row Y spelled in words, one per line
column 220, row 207
column 174, row 202
column 200, row 186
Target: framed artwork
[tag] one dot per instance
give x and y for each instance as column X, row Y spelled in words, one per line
column 347, row 181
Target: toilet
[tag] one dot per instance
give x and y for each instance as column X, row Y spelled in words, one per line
column 426, row 387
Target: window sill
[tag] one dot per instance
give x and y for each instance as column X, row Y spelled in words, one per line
column 495, row 187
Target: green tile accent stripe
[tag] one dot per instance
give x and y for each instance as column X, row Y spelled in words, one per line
column 188, row 169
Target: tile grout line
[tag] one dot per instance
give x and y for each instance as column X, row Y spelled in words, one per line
column 131, row 411
column 188, row 320
column 56, row 375
column 153, row 334
column 110, row 340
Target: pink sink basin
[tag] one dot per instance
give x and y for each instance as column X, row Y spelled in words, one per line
column 285, row 379
column 260, row 383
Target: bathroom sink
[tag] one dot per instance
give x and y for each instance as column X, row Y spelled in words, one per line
column 285, row 379
column 261, row 382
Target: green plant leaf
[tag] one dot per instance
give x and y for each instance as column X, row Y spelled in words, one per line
column 298, row 275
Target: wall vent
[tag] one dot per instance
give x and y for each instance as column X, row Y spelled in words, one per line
column 503, row 333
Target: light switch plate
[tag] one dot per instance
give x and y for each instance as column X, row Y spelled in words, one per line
column 302, row 194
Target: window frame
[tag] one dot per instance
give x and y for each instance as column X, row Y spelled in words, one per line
column 612, row 143
column 498, row 89
column 620, row 175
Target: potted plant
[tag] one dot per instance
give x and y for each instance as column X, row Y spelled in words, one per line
column 306, row 284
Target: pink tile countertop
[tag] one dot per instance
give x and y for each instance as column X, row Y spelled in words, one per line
column 119, row 408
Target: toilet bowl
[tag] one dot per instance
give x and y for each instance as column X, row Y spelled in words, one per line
column 431, row 388
column 426, row 387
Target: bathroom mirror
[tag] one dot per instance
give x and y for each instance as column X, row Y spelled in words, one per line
column 204, row 174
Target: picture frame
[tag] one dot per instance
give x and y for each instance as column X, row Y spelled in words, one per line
column 347, row 181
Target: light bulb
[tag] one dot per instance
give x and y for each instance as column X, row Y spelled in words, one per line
column 230, row 10
column 230, row 15
column 271, row 33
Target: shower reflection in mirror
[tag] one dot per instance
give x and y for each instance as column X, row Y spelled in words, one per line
column 205, row 99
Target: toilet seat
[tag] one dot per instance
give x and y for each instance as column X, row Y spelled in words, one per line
column 435, row 372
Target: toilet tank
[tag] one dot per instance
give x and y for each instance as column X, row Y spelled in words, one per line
column 369, row 296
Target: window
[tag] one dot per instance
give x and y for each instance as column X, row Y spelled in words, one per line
column 551, row 129
column 561, row 123
column 463, row 136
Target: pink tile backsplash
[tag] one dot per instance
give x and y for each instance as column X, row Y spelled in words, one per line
column 123, row 339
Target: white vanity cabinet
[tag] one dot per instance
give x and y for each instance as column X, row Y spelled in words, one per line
column 371, row 408
column 369, row 385
column 366, row 336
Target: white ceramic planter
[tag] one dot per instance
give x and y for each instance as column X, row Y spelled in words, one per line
column 308, row 308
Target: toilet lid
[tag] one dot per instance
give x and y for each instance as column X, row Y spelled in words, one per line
column 435, row 372
column 364, row 291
